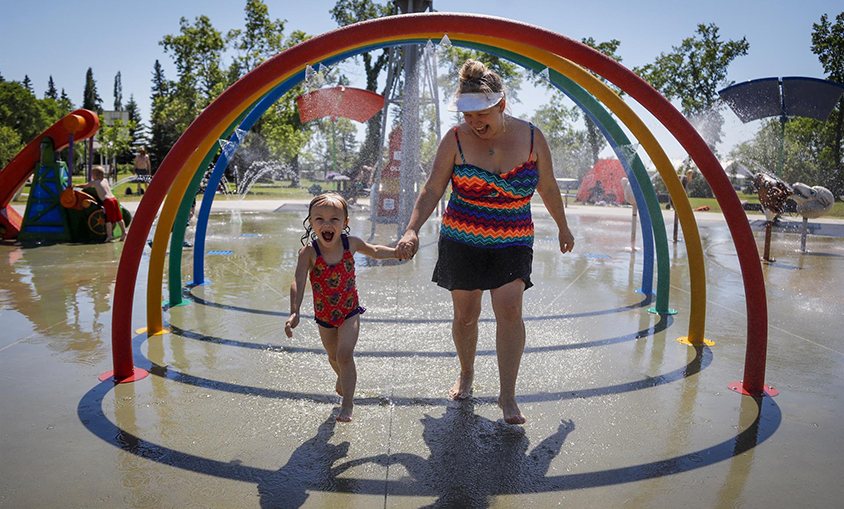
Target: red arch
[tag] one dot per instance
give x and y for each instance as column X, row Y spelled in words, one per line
column 312, row 50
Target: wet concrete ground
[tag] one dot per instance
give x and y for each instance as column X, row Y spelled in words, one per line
column 234, row 414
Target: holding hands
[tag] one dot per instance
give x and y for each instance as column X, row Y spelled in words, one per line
column 408, row 245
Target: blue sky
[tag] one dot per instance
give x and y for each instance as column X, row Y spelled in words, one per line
column 64, row 38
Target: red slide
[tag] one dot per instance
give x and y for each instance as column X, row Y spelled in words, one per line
column 81, row 123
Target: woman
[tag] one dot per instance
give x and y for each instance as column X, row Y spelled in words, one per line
column 494, row 163
column 143, row 169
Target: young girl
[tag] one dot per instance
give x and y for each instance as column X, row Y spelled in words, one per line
column 329, row 261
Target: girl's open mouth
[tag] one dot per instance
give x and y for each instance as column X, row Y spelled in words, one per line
column 327, row 235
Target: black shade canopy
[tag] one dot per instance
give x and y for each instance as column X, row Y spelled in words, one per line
column 801, row 97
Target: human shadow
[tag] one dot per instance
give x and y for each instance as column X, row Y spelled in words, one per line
column 308, row 469
column 472, row 459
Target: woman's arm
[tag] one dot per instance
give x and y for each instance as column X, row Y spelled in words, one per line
column 429, row 196
column 357, row 245
column 297, row 287
column 550, row 193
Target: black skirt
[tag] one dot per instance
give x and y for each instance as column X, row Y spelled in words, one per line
column 464, row 267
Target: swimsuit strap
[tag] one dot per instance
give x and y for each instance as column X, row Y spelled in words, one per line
column 530, row 154
column 458, row 145
column 316, row 246
column 345, row 240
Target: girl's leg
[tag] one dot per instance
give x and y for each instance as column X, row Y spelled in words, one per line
column 329, row 341
column 347, row 338
column 464, row 332
column 509, row 344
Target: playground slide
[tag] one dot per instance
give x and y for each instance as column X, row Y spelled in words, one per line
column 82, row 124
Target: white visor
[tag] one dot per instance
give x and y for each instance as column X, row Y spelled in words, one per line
column 475, row 101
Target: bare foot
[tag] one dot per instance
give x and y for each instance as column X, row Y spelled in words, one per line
column 123, row 238
column 338, row 388
column 345, row 415
column 512, row 414
column 462, row 387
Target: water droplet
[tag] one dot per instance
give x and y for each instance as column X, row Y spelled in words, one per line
column 544, row 74
column 323, row 69
column 445, row 42
column 240, row 134
column 309, row 72
column 429, row 47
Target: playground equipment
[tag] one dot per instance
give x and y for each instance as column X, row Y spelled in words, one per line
column 549, row 49
column 812, row 203
column 54, row 210
column 773, row 193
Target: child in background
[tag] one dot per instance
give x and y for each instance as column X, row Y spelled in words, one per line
column 329, row 260
column 112, row 208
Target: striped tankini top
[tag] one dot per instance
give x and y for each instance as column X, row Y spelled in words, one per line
column 489, row 210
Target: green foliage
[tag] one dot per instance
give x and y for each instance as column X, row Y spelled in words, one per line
column 24, row 113
column 570, row 151
column 828, row 44
column 10, row 144
column 51, row 92
column 91, row 99
column 597, row 140
column 261, row 38
column 692, row 73
column 347, row 12
column 115, row 139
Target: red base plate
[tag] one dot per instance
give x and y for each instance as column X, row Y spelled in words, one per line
column 767, row 390
column 137, row 374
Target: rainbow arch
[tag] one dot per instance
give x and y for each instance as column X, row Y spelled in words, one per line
column 555, row 51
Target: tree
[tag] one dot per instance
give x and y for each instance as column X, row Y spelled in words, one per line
column 347, row 12
column 27, row 84
column 828, row 45
column 51, row 92
column 197, row 52
column 692, row 73
column 118, row 93
column 65, row 102
column 91, row 99
column 10, row 144
column 261, row 38
column 21, row 111
column 570, row 149
column 163, row 129
column 115, row 139
column 134, row 113
column 597, row 141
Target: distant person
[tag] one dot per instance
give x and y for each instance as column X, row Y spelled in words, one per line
column 112, row 208
column 687, row 179
column 597, row 193
column 328, row 259
column 143, row 169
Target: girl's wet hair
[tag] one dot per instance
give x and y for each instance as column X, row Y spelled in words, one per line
column 318, row 201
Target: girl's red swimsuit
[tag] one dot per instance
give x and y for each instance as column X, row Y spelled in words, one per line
column 335, row 292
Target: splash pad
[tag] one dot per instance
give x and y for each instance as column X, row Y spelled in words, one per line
column 197, row 146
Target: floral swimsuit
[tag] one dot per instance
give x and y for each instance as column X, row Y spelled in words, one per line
column 335, row 292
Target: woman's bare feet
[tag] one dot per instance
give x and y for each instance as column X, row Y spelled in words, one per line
column 338, row 388
column 512, row 414
column 463, row 387
column 345, row 414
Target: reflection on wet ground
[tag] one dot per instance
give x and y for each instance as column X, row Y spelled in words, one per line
column 234, row 414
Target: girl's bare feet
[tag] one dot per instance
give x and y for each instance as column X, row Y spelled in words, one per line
column 512, row 414
column 345, row 415
column 463, row 387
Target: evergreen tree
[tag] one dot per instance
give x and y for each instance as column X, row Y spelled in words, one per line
column 2, row 79
column 51, row 92
column 163, row 129
column 597, row 141
column 91, row 100
column 118, row 93
column 65, row 102
column 27, row 84
column 136, row 132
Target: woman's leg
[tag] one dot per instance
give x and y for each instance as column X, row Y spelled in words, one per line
column 509, row 344
column 347, row 338
column 464, row 332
